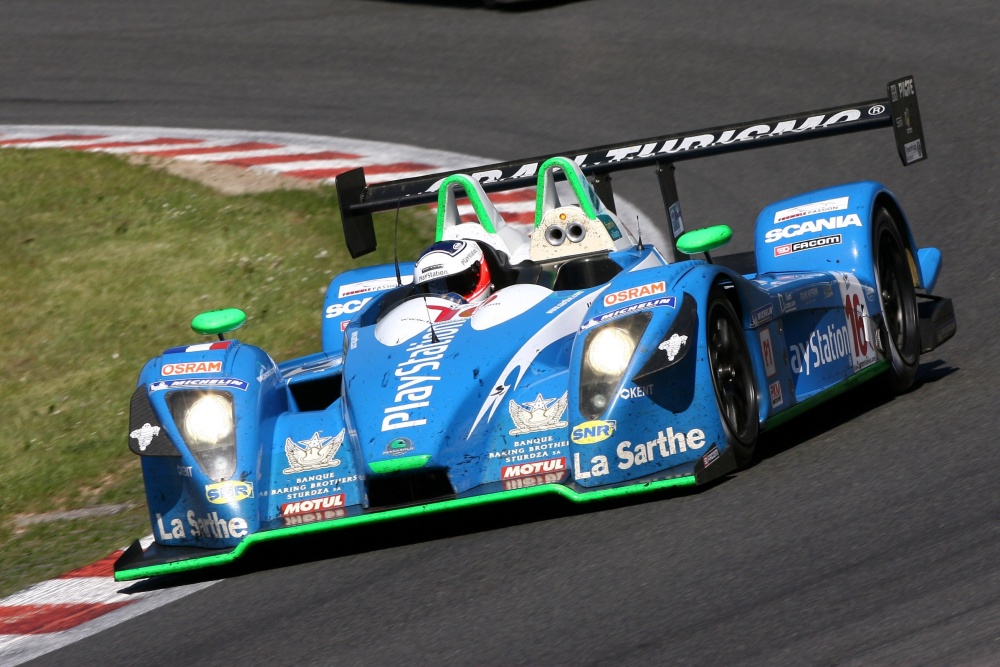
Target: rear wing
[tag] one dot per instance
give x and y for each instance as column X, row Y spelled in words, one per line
column 897, row 109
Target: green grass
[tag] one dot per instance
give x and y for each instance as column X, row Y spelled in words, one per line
column 102, row 266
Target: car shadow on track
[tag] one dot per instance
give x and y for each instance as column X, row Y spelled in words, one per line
column 334, row 544
column 840, row 410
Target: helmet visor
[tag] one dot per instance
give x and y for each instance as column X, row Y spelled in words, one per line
column 463, row 283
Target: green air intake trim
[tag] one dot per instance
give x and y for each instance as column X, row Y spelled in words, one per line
column 396, row 465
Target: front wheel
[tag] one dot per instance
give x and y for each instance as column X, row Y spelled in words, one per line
column 898, row 300
column 732, row 377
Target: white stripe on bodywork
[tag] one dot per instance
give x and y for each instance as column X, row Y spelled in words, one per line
column 564, row 324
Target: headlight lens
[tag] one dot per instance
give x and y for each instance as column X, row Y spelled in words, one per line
column 208, row 421
column 607, row 353
column 205, row 420
column 610, row 351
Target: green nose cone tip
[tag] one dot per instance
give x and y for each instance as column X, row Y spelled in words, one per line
column 218, row 321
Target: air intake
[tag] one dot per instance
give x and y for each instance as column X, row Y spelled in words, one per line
column 408, row 488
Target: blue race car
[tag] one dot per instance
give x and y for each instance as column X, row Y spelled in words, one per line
column 588, row 365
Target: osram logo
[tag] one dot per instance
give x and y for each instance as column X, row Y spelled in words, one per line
column 820, row 242
column 313, row 505
column 809, row 226
column 533, row 468
column 590, row 432
column 633, row 293
column 192, row 367
column 230, row 491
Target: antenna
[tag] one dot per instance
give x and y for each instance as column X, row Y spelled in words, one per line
column 395, row 247
column 430, row 321
column 638, row 226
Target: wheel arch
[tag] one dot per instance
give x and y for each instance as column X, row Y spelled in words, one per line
column 884, row 199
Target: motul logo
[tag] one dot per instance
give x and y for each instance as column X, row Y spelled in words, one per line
column 533, row 468
column 313, row 505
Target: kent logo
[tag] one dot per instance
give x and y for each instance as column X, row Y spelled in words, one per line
column 593, row 431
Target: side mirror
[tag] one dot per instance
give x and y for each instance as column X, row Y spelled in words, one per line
column 218, row 322
column 703, row 240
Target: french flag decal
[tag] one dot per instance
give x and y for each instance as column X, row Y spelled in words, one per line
column 202, row 347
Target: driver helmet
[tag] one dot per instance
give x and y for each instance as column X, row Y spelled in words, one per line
column 457, row 267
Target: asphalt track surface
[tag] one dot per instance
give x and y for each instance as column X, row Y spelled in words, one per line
column 865, row 534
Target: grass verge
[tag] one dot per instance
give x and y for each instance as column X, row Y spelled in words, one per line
column 102, row 266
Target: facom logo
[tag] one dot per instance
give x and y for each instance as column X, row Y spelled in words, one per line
column 590, row 432
column 230, row 491
column 820, row 242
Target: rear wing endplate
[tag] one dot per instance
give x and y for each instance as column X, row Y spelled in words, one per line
column 897, row 109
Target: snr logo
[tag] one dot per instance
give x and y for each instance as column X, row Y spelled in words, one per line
column 593, row 431
column 230, row 491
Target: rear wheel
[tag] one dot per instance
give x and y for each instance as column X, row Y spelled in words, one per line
column 898, row 300
column 732, row 377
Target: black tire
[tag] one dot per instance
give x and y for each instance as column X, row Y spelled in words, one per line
column 898, row 300
column 732, row 377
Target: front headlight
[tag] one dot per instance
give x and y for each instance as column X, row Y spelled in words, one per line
column 607, row 353
column 610, row 351
column 208, row 421
column 205, row 420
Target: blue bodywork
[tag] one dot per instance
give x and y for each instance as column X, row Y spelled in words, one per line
column 489, row 399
